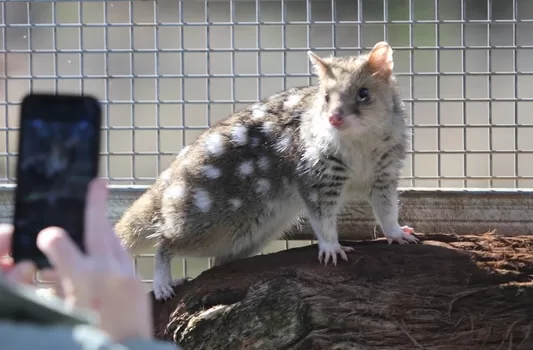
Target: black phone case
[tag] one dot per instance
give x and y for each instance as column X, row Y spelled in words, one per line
column 42, row 262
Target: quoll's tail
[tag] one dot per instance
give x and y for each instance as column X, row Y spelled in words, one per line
column 137, row 227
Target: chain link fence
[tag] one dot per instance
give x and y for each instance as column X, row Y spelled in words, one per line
column 166, row 70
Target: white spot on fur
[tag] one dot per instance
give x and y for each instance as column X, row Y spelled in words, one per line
column 313, row 197
column 214, row 144
column 165, row 176
column 246, row 168
column 285, row 181
column 312, row 155
column 258, row 111
column 262, row 186
column 235, row 203
column 187, row 162
column 211, row 172
column 284, row 141
column 267, row 127
column 202, row 200
column 239, row 134
column 263, row 163
column 175, row 192
column 183, row 151
column 256, row 142
column 292, row 101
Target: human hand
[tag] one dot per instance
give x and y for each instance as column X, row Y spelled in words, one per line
column 103, row 279
column 23, row 272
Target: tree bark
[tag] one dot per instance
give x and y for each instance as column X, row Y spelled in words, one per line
column 450, row 292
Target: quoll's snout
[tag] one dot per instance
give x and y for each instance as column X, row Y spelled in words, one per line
column 336, row 119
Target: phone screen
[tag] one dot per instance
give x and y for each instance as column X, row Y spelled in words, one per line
column 59, row 143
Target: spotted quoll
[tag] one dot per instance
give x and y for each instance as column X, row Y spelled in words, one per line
column 301, row 152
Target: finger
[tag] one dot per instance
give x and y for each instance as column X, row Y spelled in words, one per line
column 122, row 254
column 6, row 232
column 58, row 290
column 22, row 272
column 97, row 227
column 105, row 237
column 6, row 263
column 124, row 257
column 63, row 253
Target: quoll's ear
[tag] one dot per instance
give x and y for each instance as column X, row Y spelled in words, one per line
column 321, row 67
column 380, row 59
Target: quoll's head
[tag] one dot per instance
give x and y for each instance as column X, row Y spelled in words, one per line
column 356, row 92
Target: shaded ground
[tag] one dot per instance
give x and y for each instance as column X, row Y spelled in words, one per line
column 451, row 292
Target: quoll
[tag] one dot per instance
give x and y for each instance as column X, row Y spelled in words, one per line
column 302, row 152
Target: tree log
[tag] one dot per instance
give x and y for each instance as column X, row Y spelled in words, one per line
column 450, row 292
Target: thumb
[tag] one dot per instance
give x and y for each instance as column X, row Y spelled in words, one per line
column 97, row 227
column 22, row 272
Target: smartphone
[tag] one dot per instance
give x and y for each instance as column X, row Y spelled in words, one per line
column 59, row 144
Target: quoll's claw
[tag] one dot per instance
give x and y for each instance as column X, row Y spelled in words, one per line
column 404, row 235
column 327, row 251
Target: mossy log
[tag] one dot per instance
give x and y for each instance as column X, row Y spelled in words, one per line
column 450, row 292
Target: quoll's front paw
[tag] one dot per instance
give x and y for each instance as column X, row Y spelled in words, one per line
column 327, row 251
column 164, row 291
column 403, row 235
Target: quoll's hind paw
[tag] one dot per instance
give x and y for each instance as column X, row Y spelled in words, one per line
column 327, row 251
column 403, row 236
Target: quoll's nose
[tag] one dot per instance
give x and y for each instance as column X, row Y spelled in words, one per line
column 336, row 119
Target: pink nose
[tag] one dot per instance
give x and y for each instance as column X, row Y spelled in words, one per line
column 336, row 119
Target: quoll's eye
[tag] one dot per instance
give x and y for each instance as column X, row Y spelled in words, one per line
column 363, row 95
column 326, row 97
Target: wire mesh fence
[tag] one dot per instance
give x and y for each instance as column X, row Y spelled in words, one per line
column 167, row 70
